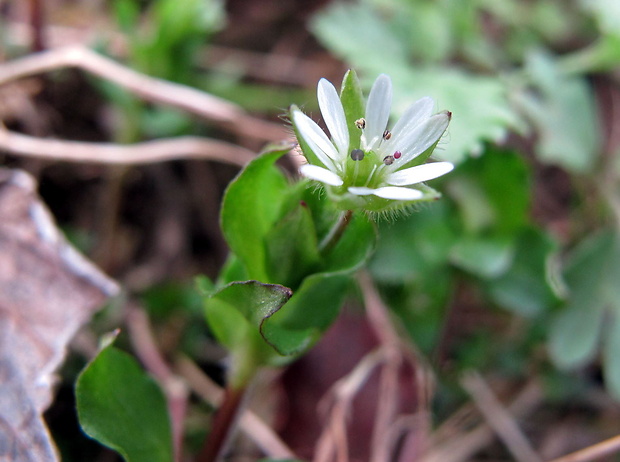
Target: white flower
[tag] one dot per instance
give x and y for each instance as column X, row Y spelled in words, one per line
column 385, row 165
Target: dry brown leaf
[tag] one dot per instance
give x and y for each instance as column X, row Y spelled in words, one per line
column 47, row 291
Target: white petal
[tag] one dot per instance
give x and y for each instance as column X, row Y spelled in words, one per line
column 396, row 193
column 419, row 173
column 422, row 137
column 321, row 174
column 413, row 116
column 378, row 110
column 361, row 191
column 333, row 114
column 316, row 139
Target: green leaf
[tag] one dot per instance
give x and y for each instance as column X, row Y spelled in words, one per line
column 120, row 406
column 486, row 257
column 236, row 310
column 313, row 307
column 493, row 192
column 611, row 362
column 250, row 207
column 412, row 246
column 592, row 274
column 564, row 115
column 525, row 287
column 574, row 334
column 292, row 247
column 234, row 314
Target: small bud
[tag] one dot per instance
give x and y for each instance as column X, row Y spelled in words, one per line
column 397, row 154
column 360, row 123
column 387, row 135
column 388, row 160
column 357, row 154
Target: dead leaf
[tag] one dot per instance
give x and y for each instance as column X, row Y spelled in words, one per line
column 47, row 291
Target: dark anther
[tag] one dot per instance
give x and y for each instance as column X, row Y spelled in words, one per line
column 360, row 123
column 357, row 154
column 387, row 135
column 388, row 160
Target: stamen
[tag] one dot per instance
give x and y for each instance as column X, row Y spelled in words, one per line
column 357, row 154
column 397, row 154
column 372, row 172
column 360, row 123
column 387, row 135
column 388, row 160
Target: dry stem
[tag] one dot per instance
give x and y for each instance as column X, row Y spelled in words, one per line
column 150, row 88
column 252, row 425
column 594, row 452
column 499, row 419
column 187, row 147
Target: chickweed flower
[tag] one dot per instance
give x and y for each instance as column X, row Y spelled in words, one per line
column 382, row 169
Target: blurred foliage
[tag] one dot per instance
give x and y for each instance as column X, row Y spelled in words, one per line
column 520, row 79
column 501, row 67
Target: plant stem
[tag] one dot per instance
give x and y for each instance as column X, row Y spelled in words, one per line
column 223, row 425
column 336, row 232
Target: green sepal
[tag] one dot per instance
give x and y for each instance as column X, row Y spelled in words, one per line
column 354, row 106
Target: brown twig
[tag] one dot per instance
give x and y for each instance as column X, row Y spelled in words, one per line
column 594, row 452
column 500, row 420
column 333, row 440
column 150, row 88
column 175, row 389
column 36, row 25
column 252, row 425
column 398, row 353
column 187, row 147
column 462, row 446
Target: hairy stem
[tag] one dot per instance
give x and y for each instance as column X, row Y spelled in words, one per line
column 223, row 425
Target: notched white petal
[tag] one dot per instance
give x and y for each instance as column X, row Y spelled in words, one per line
column 422, row 137
column 361, row 191
column 413, row 116
column 378, row 109
column 399, row 194
column 333, row 114
column 316, row 139
column 314, row 172
column 419, row 173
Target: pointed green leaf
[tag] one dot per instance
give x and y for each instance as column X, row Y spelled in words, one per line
column 120, row 406
column 484, row 256
column 564, row 114
column 292, row 247
column 529, row 270
column 592, row 278
column 574, row 334
column 314, row 306
column 251, row 205
column 238, row 309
